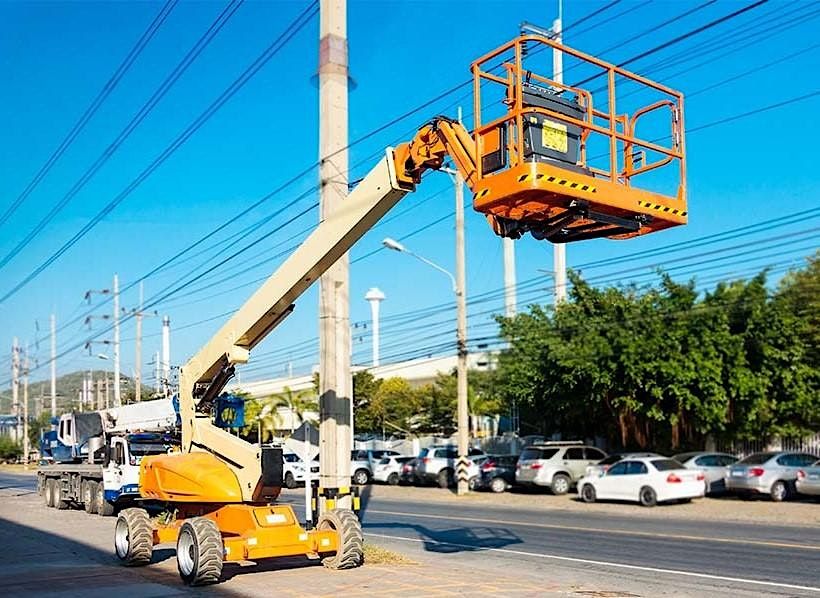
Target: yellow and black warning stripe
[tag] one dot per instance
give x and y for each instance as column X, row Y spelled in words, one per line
column 558, row 181
column 660, row 208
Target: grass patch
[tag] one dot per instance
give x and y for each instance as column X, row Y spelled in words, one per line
column 377, row 555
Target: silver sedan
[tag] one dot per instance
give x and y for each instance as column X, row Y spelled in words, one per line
column 808, row 480
column 772, row 473
column 715, row 466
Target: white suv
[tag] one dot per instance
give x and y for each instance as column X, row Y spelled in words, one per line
column 558, row 465
column 437, row 464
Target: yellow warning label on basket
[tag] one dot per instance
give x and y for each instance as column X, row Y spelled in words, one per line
column 554, row 136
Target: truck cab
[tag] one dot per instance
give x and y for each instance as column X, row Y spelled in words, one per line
column 122, row 463
column 79, row 437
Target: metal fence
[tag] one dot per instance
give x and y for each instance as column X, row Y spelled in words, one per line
column 806, row 444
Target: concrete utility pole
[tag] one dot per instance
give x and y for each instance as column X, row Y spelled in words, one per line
column 116, row 292
column 157, row 379
column 100, row 401
column 559, row 250
column 463, row 486
column 374, row 297
column 53, row 365
column 15, row 388
column 335, row 400
column 26, row 446
column 166, row 354
column 509, row 277
column 107, row 404
column 138, row 316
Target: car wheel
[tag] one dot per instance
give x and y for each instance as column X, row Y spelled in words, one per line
column 588, row 493
column 290, row 483
column 361, row 477
column 647, row 497
column 446, row 478
column 134, row 537
column 393, row 479
column 560, row 484
column 498, row 485
column 779, row 491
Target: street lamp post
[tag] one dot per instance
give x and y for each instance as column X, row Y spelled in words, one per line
column 461, row 369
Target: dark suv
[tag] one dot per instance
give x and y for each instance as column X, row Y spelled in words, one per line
column 497, row 473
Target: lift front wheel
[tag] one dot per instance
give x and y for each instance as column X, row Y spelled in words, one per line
column 134, row 537
column 199, row 552
column 351, row 542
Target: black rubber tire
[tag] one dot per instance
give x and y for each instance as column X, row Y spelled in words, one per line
column 90, row 496
column 351, row 539
column 102, row 507
column 446, row 478
column 560, row 484
column 779, row 491
column 361, row 477
column 49, row 492
column 290, row 481
column 203, row 541
column 647, row 497
column 134, row 537
column 498, row 485
column 393, row 479
column 56, row 496
column 588, row 494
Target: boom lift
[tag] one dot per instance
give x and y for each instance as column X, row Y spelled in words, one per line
column 529, row 170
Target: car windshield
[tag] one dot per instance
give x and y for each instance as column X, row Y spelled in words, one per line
column 384, row 461
column 532, row 454
column 140, row 449
column 611, row 460
column 424, row 452
column 683, row 457
column 756, row 459
column 666, row 464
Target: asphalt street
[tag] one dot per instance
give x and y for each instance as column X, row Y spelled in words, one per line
column 742, row 554
column 630, row 555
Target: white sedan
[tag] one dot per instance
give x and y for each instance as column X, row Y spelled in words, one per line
column 647, row 480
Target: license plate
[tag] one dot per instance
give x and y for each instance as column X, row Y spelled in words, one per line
column 737, row 474
column 814, row 476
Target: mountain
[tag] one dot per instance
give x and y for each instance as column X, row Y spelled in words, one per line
column 68, row 388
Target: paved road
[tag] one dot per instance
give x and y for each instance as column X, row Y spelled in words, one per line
column 525, row 551
column 742, row 555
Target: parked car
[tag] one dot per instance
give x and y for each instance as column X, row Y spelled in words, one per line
column 388, row 469
column 773, row 473
column 474, row 470
column 556, row 465
column 293, row 470
column 647, row 480
column 408, row 473
column 808, row 480
column 715, row 467
column 373, row 456
column 497, row 473
column 360, row 469
column 437, row 464
column 604, row 464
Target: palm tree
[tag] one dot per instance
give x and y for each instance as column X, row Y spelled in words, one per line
column 297, row 402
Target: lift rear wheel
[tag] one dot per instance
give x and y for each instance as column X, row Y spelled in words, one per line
column 199, row 552
column 351, row 541
column 134, row 537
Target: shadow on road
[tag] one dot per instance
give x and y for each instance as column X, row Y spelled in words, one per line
column 32, row 557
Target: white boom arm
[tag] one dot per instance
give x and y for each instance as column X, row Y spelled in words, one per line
column 206, row 373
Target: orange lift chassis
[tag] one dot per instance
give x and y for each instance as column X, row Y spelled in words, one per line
column 543, row 158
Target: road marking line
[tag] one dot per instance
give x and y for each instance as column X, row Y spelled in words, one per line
column 605, row 531
column 570, row 559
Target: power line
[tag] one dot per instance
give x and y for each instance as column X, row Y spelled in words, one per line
column 290, row 31
column 89, row 112
column 129, row 128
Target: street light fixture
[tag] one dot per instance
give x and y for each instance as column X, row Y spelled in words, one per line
column 396, row 246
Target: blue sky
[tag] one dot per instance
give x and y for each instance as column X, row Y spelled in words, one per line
column 55, row 57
